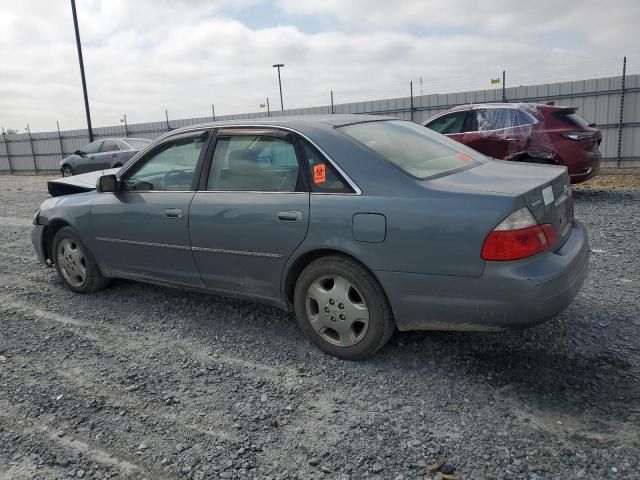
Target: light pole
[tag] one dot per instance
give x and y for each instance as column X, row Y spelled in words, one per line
column 84, row 82
column 278, row 65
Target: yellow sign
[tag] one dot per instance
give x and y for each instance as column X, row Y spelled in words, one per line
column 494, row 81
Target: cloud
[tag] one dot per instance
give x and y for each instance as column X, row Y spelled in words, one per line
column 610, row 25
column 142, row 57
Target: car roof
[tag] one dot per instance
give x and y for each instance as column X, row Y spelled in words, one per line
column 136, row 138
column 525, row 105
column 301, row 123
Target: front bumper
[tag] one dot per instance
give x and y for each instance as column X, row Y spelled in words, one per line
column 38, row 241
column 507, row 295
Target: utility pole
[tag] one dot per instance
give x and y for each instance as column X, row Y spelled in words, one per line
column 126, row 126
column 213, row 112
column 332, row 109
column 278, row 65
column 84, row 82
column 411, row 94
column 268, row 108
column 166, row 116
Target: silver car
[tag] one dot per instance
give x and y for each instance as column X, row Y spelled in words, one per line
column 359, row 224
column 101, row 154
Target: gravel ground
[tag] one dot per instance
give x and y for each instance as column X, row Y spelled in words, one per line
column 140, row 381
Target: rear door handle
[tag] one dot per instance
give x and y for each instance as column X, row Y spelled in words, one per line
column 290, row 215
column 173, row 212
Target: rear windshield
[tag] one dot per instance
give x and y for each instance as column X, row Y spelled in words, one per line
column 417, row 150
column 138, row 144
column 577, row 120
column 570, row 117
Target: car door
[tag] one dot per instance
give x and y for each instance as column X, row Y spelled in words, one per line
column 86, row 162
column 251, row 212
column 142, row 230
column 107, row 156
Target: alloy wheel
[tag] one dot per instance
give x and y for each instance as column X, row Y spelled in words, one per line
column 337, row 311
column 72, row 262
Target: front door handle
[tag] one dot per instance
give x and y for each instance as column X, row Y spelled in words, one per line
column 173, row 212
column 290, row 215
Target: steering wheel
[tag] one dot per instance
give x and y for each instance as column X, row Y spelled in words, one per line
column 163, row 182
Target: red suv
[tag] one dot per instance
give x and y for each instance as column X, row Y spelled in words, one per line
column 525, row 132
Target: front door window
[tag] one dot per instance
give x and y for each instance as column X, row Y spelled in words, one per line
column 170, row 168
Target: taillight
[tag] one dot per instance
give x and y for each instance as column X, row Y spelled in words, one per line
column 518, row 236
column 578, row 135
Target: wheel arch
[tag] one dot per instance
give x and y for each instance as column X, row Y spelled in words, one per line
column 49, row 232
column 302, row 261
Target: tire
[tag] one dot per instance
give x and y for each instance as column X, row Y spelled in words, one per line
column 76, row 268
column 342, row 308
column 67, row 171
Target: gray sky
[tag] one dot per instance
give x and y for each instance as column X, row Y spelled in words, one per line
column 147, row 55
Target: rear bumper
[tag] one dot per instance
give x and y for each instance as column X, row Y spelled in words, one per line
column 37, row 239
column 508, row 294
column 586, row 173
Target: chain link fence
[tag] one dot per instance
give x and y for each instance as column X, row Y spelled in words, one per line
column 612, row 103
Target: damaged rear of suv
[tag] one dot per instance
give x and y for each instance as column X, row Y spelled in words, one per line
column 525, row 132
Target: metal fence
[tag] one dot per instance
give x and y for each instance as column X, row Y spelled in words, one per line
column 612, row 103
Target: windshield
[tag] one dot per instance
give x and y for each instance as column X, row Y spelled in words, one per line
column 417, row 150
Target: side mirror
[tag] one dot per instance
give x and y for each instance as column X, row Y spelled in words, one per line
column 79, row 153
column 107, row 183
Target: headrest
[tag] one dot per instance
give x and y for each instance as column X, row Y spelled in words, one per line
column 243, row 162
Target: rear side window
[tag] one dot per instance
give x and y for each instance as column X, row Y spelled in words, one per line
column 418, row 151
column 254, row 163
column 574, row 119
column 93, row 147
column 498, row 118
column 450, row 123
column 109, row 146
column 324, row 177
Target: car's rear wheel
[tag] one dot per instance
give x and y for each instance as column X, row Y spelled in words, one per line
column 75, row 266
column 341, row 307
column 67, row 171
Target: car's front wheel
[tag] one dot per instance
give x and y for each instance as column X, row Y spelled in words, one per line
column 67, row 171
column 75, row 266
column 341, row 307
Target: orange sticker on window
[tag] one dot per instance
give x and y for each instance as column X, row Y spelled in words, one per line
column 464, row 157
column 319, row 173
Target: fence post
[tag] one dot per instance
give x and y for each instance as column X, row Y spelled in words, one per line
column 332, row 109
column 620, row 124
column 60, row 139
column 166, row 116
column 126, row 126
column 504, row 87
column 213, row 111
column 411, row 94
column 33, row 153
column 6, row 148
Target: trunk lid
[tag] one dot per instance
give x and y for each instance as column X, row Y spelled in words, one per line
column 545, row 189
column 77, row 184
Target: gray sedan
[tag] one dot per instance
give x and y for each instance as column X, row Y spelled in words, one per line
column 360, row 224
column 101, row 154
